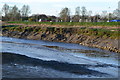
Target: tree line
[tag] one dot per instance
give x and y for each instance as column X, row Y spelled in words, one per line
column 80, row 15
column 14, row 13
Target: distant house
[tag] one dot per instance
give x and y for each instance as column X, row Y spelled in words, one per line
column 52, row 18
column 42, row 18
column 39, row 17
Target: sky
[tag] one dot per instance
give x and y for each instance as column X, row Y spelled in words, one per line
column 53, row 7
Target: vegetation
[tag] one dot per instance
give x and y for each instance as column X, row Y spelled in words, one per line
column 86, row 24
column 13, row 13
column 103, row 33
column 65, row 15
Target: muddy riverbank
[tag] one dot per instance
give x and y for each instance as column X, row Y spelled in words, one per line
column 81, row 36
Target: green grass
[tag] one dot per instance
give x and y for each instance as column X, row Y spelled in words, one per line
column 104, row 33
column 72, row 23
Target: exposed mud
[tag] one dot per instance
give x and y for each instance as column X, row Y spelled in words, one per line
column 15, row 65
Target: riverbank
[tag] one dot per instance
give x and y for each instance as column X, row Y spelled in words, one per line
column 92, row 36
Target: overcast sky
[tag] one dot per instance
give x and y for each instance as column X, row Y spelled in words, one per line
column 53, row 7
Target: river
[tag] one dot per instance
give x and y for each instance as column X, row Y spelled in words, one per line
column 24, row 58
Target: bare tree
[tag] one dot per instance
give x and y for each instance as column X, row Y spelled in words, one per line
column 14, row 13
column 65, row 14
column 104, row 16
column 97, row 18
column 83, row 11
column 77, row 11
column 76, row 17
column 116, row 13
column 25, row 11
column 5, row 10
column 89, row 15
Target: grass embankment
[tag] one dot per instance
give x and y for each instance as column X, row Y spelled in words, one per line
column 98, row 32
column 87, row 24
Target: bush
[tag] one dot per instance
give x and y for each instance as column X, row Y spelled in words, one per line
column 110, row 24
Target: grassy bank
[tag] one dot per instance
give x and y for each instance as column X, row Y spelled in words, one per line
column 110, row 24
column 92, row 37
column 103, row 33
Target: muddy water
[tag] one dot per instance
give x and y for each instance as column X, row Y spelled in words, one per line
column 42, row 59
